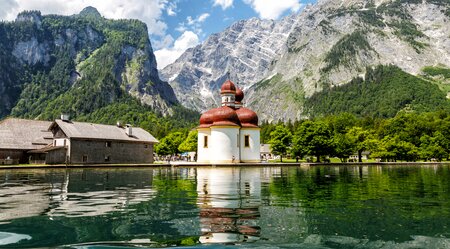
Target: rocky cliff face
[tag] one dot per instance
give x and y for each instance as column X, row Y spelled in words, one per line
column 324, row 46
column 246, row 50
column 59, row 55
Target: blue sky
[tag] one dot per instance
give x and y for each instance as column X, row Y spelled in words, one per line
column 174, row 25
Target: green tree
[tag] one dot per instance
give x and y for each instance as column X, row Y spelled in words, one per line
column 392, row 148
column 280, row 140
column 433, row 147
column 360, row 138
column 343, row 146
column 190, row 143
column 169, row 144
column 313, row 138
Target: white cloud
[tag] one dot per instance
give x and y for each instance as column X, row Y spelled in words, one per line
column 203, row 17
column 148, row 11
column 171, row 9
column 6, row 7
column 193, row 24
column 190, row 21
column 164, row 42
column 270, row 9
column 166, row 56
column 225, row 4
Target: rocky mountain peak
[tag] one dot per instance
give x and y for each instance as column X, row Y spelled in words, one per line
column 90, row 12
column 246, row 49
column 33, row 16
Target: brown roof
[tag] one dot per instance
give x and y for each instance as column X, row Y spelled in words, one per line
column 24, row 134
column 84, row 130
column 46, row 149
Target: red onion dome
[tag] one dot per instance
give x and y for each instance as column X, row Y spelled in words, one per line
column 225, row 116
column 228, row 87
column 247, row 117
column 206, row 119
column 239, row 95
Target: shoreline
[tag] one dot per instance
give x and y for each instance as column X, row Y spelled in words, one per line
column 194, row 164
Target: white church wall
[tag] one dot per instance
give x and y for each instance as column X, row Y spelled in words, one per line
column 202, row 150
column 224, row 144
column 250, row 154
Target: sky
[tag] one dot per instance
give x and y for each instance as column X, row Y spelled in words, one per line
column 173, row 25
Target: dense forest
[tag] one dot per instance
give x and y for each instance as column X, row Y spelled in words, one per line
column 384, row 91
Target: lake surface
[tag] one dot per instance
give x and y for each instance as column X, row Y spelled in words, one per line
column 248, row 207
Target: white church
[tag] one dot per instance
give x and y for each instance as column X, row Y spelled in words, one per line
column 230, row 133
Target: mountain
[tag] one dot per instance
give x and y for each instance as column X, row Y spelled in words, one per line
column 245, row 50
column 78, row 64
column 283, row 64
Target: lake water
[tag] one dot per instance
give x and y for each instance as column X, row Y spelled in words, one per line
column 248, row 207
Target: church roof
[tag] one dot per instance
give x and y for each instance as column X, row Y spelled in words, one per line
column 247, row 117
column 228, row 87
column 225, row 116
column 239, row 95
column 230, row 116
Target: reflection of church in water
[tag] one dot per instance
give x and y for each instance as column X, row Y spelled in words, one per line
column 229, row 200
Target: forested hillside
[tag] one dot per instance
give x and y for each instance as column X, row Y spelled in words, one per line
column 87, row 66
column 384, row 91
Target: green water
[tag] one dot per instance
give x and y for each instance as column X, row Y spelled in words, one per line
column 249, row 207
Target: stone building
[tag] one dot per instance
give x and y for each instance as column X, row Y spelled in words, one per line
column 65, row 141
column 87, row 143
column 230, row 133
column 19, row 136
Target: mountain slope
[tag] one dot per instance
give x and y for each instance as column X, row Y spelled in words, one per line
column 245, row 50
column 382, row 93
column 77, row 64
column 327, row 45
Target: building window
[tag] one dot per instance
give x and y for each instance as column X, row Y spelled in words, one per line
column 146, row 146
column 85, row 158
column 108, row 144
column 107, row 158
column 247, row 141
column 205, row 142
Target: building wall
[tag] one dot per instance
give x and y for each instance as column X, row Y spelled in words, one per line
column 61, row 142
column 253, row 152
column 224, row 144
column 97, row 151
column 202, row 151
column 56, row 156
column 19, row 155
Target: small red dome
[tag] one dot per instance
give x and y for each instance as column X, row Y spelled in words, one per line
column 228, row 87
column 206, row 119
column 224, row 116
column 247, row 117
column 239, row 95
